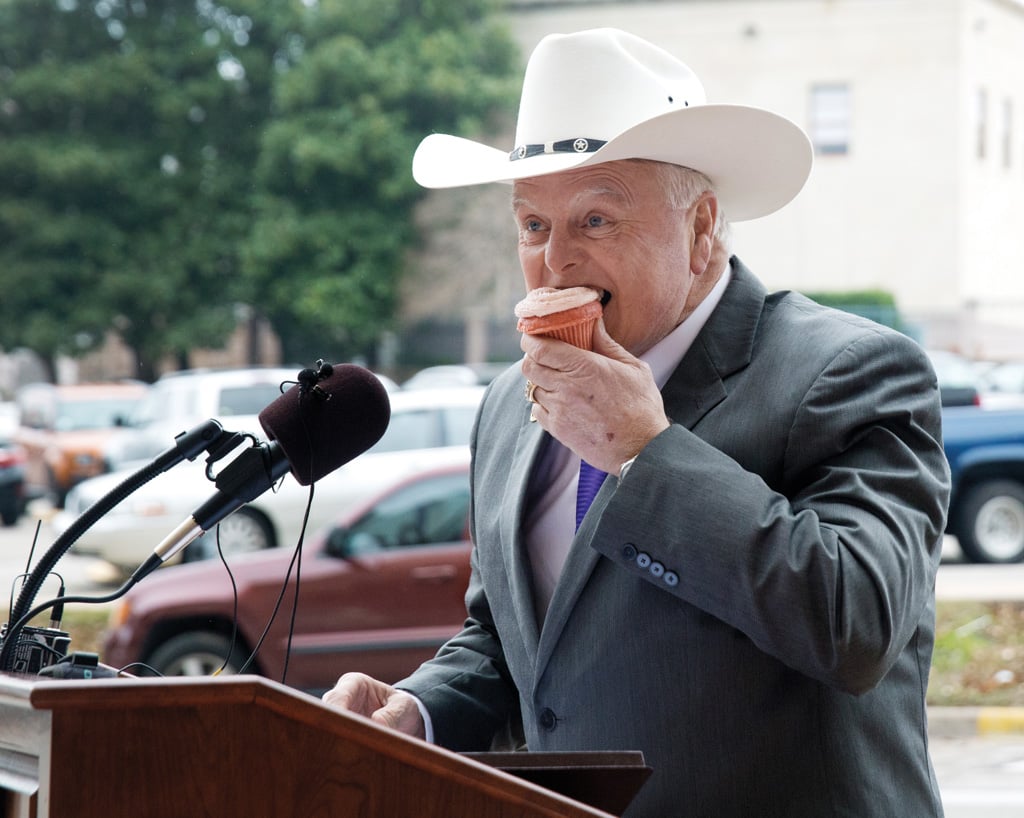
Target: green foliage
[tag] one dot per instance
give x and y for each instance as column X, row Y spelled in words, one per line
column 843, row 298
column 979, row 654
column 124, row 142
column 334, row 218
column 164, row 160
column 878, row 305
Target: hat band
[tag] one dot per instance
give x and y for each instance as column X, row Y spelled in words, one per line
column 577, row 145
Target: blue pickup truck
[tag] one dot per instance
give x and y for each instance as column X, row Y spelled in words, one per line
column 985, row 448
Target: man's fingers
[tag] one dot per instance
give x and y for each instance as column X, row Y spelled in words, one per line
column 550, row 353
column 355, row 692
column 401, row 713
column 607, row 346
column 362, row 694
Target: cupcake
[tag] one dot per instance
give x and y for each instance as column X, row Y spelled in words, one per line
column 568, row 315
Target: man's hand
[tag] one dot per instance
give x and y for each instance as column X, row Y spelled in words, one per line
column 604, row 405
column 377, row 701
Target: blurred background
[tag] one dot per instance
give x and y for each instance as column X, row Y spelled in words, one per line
column 189, row 187
column 189, row 184
column 199, row 198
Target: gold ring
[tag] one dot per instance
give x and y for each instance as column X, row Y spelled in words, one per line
column 531, row 387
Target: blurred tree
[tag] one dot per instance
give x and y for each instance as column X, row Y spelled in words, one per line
column 335, row 208
column 128, row 130
column 878, row 305
column 164, row 160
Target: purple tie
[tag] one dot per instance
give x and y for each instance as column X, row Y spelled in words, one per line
column 590, row 481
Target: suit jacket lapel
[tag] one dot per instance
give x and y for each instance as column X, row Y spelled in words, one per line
column 517, row 566
column 724, row 345
column 579, row 564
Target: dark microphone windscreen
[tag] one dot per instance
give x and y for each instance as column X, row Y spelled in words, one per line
column 322, row 426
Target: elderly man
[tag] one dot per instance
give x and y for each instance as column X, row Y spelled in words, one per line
column 749, row 599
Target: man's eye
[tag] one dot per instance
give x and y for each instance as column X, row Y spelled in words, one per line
column 532, row 225
column 595, row 221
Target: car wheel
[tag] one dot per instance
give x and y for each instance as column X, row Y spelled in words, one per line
column 56, row 494
column 9, row 511
column 196, row 653
column 991, row 522
column 244, row 531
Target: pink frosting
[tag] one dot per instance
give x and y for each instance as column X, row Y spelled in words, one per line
column 549, row 300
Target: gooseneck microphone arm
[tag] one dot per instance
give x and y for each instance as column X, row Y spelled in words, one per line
column 250, row 474
column 208, row 436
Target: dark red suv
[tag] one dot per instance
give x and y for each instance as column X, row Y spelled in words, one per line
column 379, row 592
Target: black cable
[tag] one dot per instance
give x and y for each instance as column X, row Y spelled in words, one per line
column 273, row 613
column 56, row 653
column 296, row 557
column 142, row 665
column 58, row 609
column 296, row 562
column 322, row 368
column 298, row 583
column 234, row 611
column 13, row 638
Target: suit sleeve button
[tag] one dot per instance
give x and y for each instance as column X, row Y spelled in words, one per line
column 643, row 559
column 657, row 569
column 671, row 579
column 629, row 552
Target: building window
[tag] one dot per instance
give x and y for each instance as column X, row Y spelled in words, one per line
column 980, row 123
column 1007, row 135
column 830, row 118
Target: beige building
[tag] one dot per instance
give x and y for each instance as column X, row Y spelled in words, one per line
column 916, row 111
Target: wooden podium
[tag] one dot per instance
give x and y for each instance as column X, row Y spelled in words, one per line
column 232, row 746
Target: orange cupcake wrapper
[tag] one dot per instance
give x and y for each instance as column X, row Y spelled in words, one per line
column 575, row 327
column 579, row 335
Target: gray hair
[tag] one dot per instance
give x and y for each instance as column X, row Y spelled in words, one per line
column 683, row 186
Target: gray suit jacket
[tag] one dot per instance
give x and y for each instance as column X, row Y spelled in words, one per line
column 753, row 605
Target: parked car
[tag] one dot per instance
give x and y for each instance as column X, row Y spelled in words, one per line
column 1002, row 385
column 12, row 467
column 958, row 378
column 437, row 377
column 985, row 449
column 381, row 589
column 178, row 401
column 64, row 430
column 427, row 428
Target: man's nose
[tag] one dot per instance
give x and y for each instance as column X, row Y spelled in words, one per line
column 562, row 253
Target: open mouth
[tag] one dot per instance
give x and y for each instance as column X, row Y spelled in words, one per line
column 606, row 298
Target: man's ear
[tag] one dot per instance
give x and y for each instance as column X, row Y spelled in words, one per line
column 705, row 215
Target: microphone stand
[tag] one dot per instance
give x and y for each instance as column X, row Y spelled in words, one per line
column 207, row 436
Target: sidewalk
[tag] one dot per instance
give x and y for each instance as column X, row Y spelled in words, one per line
column 954, row 722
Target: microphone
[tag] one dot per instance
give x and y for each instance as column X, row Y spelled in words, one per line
column 327, row 418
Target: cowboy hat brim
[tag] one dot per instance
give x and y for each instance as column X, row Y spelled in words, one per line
column 756, row 160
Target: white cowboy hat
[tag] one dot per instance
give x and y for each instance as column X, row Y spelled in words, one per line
column 600, row 95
